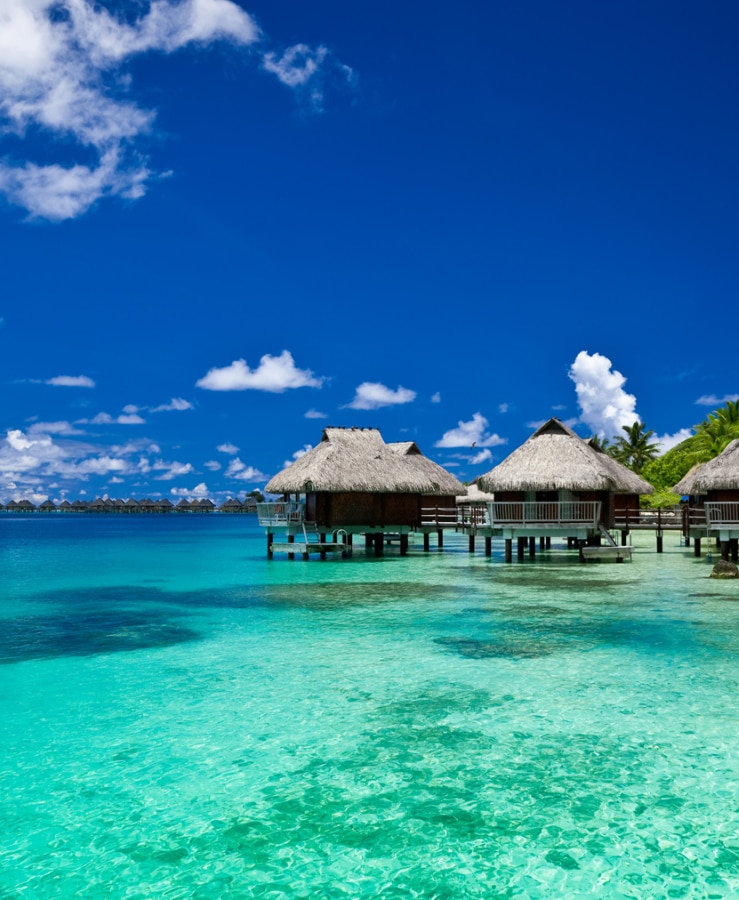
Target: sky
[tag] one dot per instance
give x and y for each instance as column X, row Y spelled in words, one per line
column 227, row 225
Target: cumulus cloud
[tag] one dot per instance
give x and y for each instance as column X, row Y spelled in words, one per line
column 315, row 414
column 373, row 395
column 714, row 400
column 62, row 428
column 668, row 441
column 470, row 434
column 241, row 472
column 481, row 457
column 274, row 374
column 172, row 470
column 71, row 381
column 436, row 398
column 213, row 465
column 200, row 490
column 228, row 447
column 176, row 403
column 63, row 75
column 605, row 406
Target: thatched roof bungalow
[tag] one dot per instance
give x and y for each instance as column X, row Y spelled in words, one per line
column 713, row 488
column 353, row 480
column 558, row 483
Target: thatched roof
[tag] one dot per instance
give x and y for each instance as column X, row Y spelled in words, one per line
column 555, row 458
column 410, row 451
column 721, row 473
column 356, row 460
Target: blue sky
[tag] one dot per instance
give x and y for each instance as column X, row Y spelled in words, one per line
column 227, row 225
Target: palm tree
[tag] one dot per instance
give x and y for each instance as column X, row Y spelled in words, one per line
column 716, row 432
column 634, row 450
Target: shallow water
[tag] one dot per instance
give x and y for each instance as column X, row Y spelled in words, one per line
column 181, row 718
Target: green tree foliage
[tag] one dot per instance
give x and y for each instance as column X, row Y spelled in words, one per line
column 665, row 471
column 634, row 450
column 716, row 432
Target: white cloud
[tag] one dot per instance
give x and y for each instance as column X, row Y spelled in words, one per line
column 104, row 418
column 70, row 380
column 436, row 398
column 373, row 395
column 63, row 74
column 200, row 490
column 314, row 414
column 131, row 409
column 470, row 434
column 176, row 403
column 229, row 448
column 213, row 465
column 481, row 457
column 274, row 374
column 713, row 400
column 63, row 428
column 172, row 470
column 668, row 441
column 502, row 408
column 242, row 472
column 605, row 406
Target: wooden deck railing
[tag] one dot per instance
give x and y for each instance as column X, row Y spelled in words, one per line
column 281, row 514
column 438, row 516
column 554, row 514
column 722, row 514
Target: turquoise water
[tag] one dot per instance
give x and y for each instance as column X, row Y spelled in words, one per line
column 181, row 718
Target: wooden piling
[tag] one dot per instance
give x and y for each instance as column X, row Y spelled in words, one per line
column 488, row 546
column 509, row 550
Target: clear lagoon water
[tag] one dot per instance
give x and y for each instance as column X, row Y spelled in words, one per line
column 181, row 718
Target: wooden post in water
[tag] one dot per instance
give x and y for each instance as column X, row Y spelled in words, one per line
column 472, row 543
column 270, row 551
column 440, row 538
column 404, row 545
column 488, row 546
column 426, row 542
column 521, row 549
column 509, row 550
column 532, row 547
column 291, row 540
column 735, row 550
column 379, row 544
column 659, row 531
column 368, row 540
column 542, row 543
column 549, row 543
column 697, row 547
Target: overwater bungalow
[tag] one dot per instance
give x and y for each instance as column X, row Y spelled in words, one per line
column 231, row 505
column 183, row 505
column 557, row 484
column 131, row 506
column 47, row 506
column 350, row 483
column 65, row 506
column 713, row 506
column 164, row 505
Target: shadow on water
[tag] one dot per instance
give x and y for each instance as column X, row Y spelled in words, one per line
column 88, row 633
column 318, row 596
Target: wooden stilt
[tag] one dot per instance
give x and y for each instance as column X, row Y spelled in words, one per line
column 580, row 546
column 472, row 543
column 521, row 549
column 697, row 547
column 426, row 542
column 624, row 535
column 270, row 541
column 508, row 550
column 440, row 538
column 542, row 543
column 725, row 550
column 549, row 543
column 379, row 544
column 369, row 540
column 488, row 546
column 735, row 550
column 532, row 547
column 291, row 540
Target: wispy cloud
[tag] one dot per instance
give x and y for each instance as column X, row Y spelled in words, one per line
column 213, row 465
column 605, row 406
column 714, row 400
column 315, row 414
column 470, row 434
column 71, row 381
column 373, row 395
column 175, row 404
column 436, row 398
column 63, row 75
column 172, row 470
column 229, row 448
column 297, row 455
column 104, row 418
column 274, row 374
column 668, row 441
